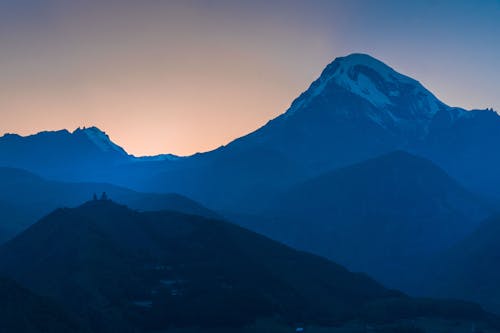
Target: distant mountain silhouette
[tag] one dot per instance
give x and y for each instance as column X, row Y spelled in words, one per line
column 380, row 216
column 24, row 312
column 358, row 108
column 62, row 155
column 26, row 197
column 126, row 271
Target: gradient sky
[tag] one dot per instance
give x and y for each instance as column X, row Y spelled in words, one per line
column 185, row 76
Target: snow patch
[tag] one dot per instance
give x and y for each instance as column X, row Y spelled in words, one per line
column 100, row 139
column 365, row 88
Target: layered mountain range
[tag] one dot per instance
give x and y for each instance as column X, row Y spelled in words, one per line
column 25, row 197
column 367, row 168
column 116, row 269
column 382, row 216
column 357, row 109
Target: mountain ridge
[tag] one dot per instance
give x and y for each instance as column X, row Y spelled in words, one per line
column 330, row 125
column 382, row 216
column 25, row 197
column 121, row 270
column 368, row 78
column 349, row 68
column 140, row 250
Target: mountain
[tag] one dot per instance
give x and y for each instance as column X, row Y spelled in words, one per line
column 359, row 108
column 470, row 269
column 25, row 312
column 122, row 270
column 379, row 216
column 466, row 147
column 26, row 197
column 60, row 154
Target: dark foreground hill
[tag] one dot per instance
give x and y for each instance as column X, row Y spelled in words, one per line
column 120, row 270
column 26, row 197
column 24, row 312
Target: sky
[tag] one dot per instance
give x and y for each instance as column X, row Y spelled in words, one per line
column 183, row 76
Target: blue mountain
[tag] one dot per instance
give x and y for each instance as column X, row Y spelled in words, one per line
column 357, row 109
column 62, row 154
column 383, row 216
column 26, row 197
column 121, row 270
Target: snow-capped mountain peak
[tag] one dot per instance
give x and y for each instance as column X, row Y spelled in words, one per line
column 369, row 78
column 347, row 66
column 99, row 138
column 399, row 96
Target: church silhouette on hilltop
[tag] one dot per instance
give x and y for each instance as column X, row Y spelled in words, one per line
column 104, row 197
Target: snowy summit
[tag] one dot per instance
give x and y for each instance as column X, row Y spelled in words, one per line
column 400, row 97
column 99, row 138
